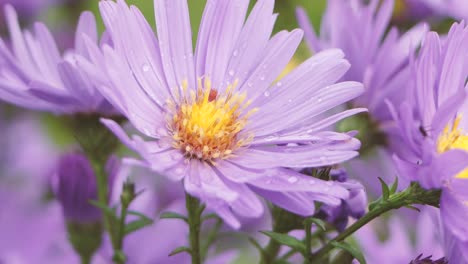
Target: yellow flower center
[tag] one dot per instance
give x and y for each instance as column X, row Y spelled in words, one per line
column 206, row 125
column 453, row 138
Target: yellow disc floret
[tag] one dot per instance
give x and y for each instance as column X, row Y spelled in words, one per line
column 453, row 138
column 206, row 125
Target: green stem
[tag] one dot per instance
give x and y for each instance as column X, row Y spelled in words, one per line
column 194, row 211
column 85, row 259
column 413, row 195
column 308, row 241
column 211, row 237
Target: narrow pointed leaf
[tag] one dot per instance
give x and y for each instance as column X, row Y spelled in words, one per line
column 286, row 240
column 180, row 250
column 173, row 215
column 385, row 189
column 351, row 250
column 318, row 222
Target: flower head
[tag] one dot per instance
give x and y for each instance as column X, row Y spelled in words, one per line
column 435, row 152
column 33, row 73
column 214, row 119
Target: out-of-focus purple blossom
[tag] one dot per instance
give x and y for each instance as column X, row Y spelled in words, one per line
column 434, row 146
column 175, row 98
column 411, row 11
column 33, row 73
column 354, row 206
column 457, row 9
column 27, row 8
column 42, row 225
column 75, row 185
column 380, row 60
column 399, row 247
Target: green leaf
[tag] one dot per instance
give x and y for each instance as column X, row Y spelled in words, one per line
column 173, row 215
column 385, row 190
column 105, row 208
column 180, row 250
column 320, row 223
column 137, row 224
column 209, row 216
column 287, row 240
column 351, row 250
column 394, row 187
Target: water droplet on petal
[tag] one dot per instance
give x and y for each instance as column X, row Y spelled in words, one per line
column 279, row 84
column 262, row 78
column 329, row 183
column 266, row 93
column 145, row 67
column 235, row 53
column 250, row 84
column 231, row 73
column 311, row 182
column 290, row 100
column 319, row 99
column 292, row 179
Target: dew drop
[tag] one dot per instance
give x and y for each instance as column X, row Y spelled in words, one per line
column 319, row 99
column 235, row 53
column 311, row 182
column 329, row 183
column 231, row 73
column 292, row 179
column 262, row 78
column 250, row 84
column 290, row 100
column 145, row 67
column 271, row 138
column 266, row 93
column 279, row 84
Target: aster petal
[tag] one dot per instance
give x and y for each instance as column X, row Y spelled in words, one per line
column 309, row 32
column 86, row 26
column 435, row 175
column 454, row 73
column 287, row 180
column 286, row 117
column 297, row 157
column 138, row 107
column 295, row 202
column 175, row 41
column 454, row 212
column 276, row 56
column 219, row 29
column 251, row 41
column 142, row 53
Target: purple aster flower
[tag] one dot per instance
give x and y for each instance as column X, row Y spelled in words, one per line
column 435, row 134
column 75, row 185
column 33, row 74
column 353, row 207
column 427, row 240
column 379, row 58
column 214, row 119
